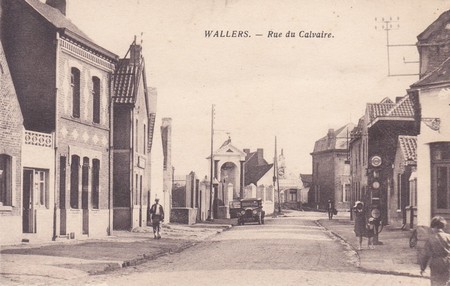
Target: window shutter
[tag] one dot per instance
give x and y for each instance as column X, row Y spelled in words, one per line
column 13, row 181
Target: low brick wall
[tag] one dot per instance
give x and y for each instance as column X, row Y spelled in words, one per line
column 183, row 215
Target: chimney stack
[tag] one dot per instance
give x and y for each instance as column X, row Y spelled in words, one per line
column 58, row 4
column 260, row 156
column 135, row 54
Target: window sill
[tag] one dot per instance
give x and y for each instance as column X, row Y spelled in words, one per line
column 5, row 208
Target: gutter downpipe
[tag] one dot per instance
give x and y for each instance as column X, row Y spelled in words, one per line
column 55, row 141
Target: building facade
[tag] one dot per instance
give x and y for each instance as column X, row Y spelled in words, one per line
column 432, row 97
column 331, row 169
column 373, row 151
column 67, row 94
column 134, row 121
column 11, row 138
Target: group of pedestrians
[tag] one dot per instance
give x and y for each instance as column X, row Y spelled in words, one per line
column 436, row 252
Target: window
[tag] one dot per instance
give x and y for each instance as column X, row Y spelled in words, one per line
column 75, row 88
column 293, row 195
column 41, row 187
column 74, row 176
column 346, row 192
column 145, row 131
column 96, row 99
column 136, row 190
column 399, row 191
column 5, row 180
column 440, row 169
column 95, row 183
column 137, row 136
column 85, row 184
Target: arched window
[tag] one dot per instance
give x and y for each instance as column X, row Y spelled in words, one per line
column 96, row 99
column 5, row 180
column 75, row 88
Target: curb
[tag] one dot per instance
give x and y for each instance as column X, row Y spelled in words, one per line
column 147, row 257
column 350, row 248
column 365, row 269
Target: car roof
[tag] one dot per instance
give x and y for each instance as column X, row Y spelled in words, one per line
column 251, row 199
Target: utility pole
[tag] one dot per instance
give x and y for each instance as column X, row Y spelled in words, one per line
column 211, row 191
column 275, row 176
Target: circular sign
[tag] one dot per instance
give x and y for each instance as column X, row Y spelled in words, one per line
column 376, row 161
column 375, row 213
column 376, row 185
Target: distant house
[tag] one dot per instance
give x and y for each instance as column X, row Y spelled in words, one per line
column 134, row 121
column 331, row 169
column 307, row 182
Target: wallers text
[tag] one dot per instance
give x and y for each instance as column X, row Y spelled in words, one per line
column 226, row 34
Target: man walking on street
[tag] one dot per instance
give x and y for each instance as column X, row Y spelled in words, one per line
column 330, row 209
column 157, row 216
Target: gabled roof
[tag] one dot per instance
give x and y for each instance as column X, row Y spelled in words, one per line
column 306, row 178
column 55, row 17
column 59, row 21
column 439, row 75
column 254, row 173
column 337, row 139
column 403, row 109
column 378, row 109
column 408, row 147
column 126, row 80
column 437, row 25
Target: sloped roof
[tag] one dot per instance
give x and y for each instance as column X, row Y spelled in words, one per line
column 402, row 109
column 408, row 147
column 439, row 75
column 55, row 17
column 254, row 173
column 338, row 140
column 306, row 178
column 378, row 109
column 58, row 20
column 125, row 81
column 443, row 19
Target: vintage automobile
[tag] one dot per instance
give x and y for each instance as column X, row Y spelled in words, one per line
column 251, row 211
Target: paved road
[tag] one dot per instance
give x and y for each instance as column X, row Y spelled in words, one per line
column 284, row 251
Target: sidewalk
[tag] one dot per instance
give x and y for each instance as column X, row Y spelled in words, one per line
column 394, row 256
column 70, row 259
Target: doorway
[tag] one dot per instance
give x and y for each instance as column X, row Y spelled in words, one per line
column 28, row 217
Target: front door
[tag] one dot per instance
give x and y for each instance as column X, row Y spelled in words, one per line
column 28, row 217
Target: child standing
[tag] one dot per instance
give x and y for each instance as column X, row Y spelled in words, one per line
column 360, row 222
column 370, row 233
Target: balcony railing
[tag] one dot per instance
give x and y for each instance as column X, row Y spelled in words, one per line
column 38, row 139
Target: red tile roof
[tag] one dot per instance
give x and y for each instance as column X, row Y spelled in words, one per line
column 408, row 147
column 125, row 81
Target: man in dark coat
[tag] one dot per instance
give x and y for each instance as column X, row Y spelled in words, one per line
column 157, row 216
column 330, row 209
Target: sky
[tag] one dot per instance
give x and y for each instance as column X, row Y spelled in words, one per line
column 289, row 87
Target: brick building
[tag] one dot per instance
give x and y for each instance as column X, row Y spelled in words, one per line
column 373, row 149
column 63, row 83
column 134, row 120
column 331, row 171
column 11, row 132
